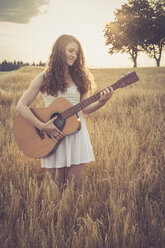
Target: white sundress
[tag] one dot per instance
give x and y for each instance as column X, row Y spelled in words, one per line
column 75, row 148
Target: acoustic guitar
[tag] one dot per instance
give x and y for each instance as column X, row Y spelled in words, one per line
column 36, row 143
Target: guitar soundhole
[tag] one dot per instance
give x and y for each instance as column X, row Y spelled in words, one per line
column 59, row 122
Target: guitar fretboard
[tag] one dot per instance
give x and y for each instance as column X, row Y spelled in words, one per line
column 121, row 83
column 76, row 108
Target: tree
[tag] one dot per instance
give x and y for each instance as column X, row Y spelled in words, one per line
column 41, row 63
column 123, row 34
column 154, row 42
column 138, row 26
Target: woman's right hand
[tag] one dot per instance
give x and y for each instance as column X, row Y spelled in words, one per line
column 52, row 130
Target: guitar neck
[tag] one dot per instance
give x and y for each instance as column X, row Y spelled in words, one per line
column 121, row 83
column 81, row 105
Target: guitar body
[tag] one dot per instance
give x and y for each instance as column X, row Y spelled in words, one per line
column 36, row 143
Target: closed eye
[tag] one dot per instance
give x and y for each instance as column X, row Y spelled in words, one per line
column 72, row 50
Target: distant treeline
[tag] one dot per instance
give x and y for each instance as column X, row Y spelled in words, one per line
column 9, row 66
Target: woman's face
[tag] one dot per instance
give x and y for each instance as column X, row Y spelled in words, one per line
column 71, row 53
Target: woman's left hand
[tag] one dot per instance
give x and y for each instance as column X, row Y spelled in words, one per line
column 105, row 95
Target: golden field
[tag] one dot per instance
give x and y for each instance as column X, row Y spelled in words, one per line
column 122, row 198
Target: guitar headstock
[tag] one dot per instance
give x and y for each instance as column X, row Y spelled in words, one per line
column 128, row 79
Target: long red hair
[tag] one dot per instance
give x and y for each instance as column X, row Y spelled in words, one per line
column 54, row 76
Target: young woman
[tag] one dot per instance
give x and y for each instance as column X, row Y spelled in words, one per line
column 66, row 76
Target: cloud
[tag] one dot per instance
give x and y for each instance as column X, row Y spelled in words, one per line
column 20, row 11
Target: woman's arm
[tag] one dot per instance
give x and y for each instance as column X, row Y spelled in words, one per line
column 105, row 95
column 27, row 98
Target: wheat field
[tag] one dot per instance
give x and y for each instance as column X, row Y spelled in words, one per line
column 121, row 203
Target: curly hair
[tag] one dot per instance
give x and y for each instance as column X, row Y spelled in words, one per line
column 54, row 76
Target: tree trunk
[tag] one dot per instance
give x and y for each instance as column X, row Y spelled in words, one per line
column 134, row 62
column 157, row 56
column 133, row 54
column 158, row 62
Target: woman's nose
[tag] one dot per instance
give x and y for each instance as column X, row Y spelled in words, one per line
column 74, row 55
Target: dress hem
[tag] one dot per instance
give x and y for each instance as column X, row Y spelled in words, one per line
column 50, row 167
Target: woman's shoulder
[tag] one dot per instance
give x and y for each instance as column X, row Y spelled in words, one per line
column 38, row 79
column 41, row 74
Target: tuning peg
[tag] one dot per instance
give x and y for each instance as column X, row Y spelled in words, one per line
column 130, row 85
column 134, row 83
column 129, row 72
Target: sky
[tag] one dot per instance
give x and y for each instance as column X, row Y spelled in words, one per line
column 29, row 28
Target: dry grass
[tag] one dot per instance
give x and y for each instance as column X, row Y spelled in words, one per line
column 121, row 204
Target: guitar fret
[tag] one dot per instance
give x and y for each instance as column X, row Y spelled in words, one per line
column 87, row 101
column 76, row 107
column 83, row 105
